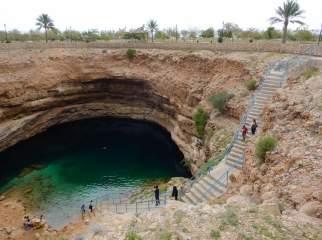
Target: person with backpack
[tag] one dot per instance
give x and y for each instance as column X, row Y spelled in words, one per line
column 83, row 210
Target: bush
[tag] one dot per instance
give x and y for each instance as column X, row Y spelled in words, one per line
column 220, row 100
column 264, row 145
column 132, row 236
column 200, row 117
column 220, row 39
column 215, row 234
column 310, row 72
column 251, row 84
column 131, row 53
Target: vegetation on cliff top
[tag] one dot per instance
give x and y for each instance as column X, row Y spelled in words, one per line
column 220, row 100
column 200, row 117
column 265, row 144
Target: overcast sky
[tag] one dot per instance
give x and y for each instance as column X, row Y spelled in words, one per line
column 115, row 14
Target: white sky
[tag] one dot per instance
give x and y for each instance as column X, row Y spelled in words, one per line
column 114, row 14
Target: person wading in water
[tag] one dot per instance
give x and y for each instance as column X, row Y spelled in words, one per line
column 157, row 195
column 244, row 132
column 254, row 127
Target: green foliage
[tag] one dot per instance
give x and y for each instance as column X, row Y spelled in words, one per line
column 220, row 100
column 134, row 35
column 132, row 236
column 264, row 145
column 230, row 218
column 303, row 35
column 220, row 39
column 165, row 236
column 310, row 72
column 131, row 53
column 208, row 33
column 200, row 117
column 251, row 84
column 161, row 35
column 290, row 12
column 204, row 168
column 271, row 33
column 215, row 234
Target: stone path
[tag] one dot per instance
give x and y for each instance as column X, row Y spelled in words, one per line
column 215, row 182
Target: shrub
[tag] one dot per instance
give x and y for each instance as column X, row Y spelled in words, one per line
column 131, row 53
column 220, row 100
column 132, row 236
column 200, row 117
column 310, row 72
column 251, row 84
column 264, row 145
column 215, row 234
column 220, row 39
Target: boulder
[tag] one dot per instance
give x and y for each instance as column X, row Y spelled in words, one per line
column 246, row 190
column 312, row 209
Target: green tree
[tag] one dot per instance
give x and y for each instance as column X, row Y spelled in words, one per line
column 45, row 22
column 303, row 35
column 288, row 13
column 161, row 35
column 271, row 33
column 208, row 33
column 153, row 27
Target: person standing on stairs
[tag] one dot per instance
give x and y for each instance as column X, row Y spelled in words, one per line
column 244, row 132
column 254, row 127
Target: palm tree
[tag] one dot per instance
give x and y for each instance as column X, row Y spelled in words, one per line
column 44, row 21
column 288, row 13
column 153, row 27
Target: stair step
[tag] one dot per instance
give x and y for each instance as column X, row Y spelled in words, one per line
column 235, row 154
column 237, row 150
column 191, row 198
column 195, row 196
column 186, row 199
column 233, row 165
column 201, row 191
column 215, row 179
column 235, row 160
column 216, row 185
column 210, row 189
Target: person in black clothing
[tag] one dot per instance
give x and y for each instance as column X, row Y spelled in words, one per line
column 157, row 195
column 91, row 208
column 175, row 193
column 254, row 127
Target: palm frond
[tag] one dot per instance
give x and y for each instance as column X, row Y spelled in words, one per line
column 274, row 20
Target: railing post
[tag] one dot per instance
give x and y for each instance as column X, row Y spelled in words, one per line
column 136, row 207
column 227, row 178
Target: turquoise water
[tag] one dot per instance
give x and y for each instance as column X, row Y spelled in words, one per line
column 73, row 163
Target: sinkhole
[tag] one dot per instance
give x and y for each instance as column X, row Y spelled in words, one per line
column 57, row 171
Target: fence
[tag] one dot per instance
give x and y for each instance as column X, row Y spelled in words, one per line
column 290, row 48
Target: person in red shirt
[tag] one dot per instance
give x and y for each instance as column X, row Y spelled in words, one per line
column 244, row 132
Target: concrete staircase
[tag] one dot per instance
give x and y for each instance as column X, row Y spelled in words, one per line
column 215, row 182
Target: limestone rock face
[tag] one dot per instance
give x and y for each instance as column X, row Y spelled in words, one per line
column 42, row 88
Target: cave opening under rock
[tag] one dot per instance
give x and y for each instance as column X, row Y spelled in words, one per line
column 72, row 163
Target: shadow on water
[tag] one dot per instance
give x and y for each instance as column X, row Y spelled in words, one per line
column 58, row 170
